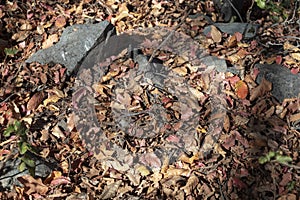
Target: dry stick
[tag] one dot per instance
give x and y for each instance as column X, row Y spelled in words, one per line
column 249, row 11
column 168, row 37
column 237, row 12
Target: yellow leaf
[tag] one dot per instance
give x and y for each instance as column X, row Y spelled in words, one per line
column 51, row 99
column 296, row 56
column 49, row 41
column 290, row 47
column 182, row 71
column 143, row 170
column 196, row 93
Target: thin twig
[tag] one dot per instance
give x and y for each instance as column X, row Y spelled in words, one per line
column 6, row 99
column 237, row 12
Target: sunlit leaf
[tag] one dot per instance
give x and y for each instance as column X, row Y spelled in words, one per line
column 216, row 34
column 9, row 130
column 283, row 159
column 23, row 147
column 10, row 51
column 267, row 158
column 261, row 3
column 241, row 89
column 22, row 166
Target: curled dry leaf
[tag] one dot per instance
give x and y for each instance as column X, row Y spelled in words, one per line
column 110, row 190
column 231, row 41
column 35, row 101
column 294, row 117
column 264, row 87
column 49, row 41
column 33, row 185
column 178, row 172
column 226, row 123
column 191, row 184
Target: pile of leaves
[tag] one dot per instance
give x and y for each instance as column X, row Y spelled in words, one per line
column 255, row 157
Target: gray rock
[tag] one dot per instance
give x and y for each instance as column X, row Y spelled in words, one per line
column 284, row 83
column 9, row 172
column 247, row 29
column 76, row 41
column 214, row 62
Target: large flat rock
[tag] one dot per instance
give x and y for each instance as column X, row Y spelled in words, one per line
column 284, row 83
column 75, row 43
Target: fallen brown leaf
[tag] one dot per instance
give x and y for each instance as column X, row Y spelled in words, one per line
column 264, row 87
column 33, row 185
column 35, row 101
column 216, row 34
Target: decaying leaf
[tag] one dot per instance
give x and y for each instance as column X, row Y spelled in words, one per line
column 231, row 41
column 216, row 34
column 50, row 41
column 33, row 185
column 35, row 101
column 110, row 190
column 191, row 184
column 241, row 89
column 60, row 22
column 264, row 87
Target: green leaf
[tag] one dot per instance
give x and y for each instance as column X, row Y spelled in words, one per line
column 22, row 166
column 283, row 159
column 31, row 171
column 291, row 185
column 262, row 160
column 261, row 3
column 10, row 51
column 9, row 130
column 28, row 161
column 266, row 158
column 271, row 154
column 23, row 147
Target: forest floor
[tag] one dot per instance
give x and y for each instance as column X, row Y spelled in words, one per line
column 245, row 143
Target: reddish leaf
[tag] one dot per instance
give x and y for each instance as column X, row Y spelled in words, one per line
column 286, row 178
column 255, row 72
column 278, row 60
column 60, row 22
column 151, row 159
column 238, row 36
column 238, row 183
column 233, row 80
column 241, row 89
column 173, row 138
column 295, row 70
